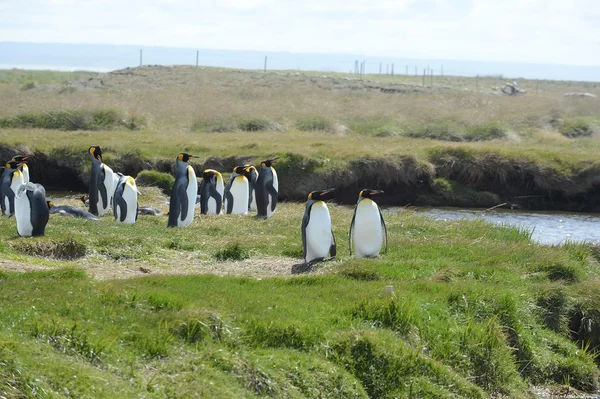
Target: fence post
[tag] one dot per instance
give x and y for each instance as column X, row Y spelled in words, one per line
column 424, row 71
column 141, row 63
column 265, row 71
column 197, row 55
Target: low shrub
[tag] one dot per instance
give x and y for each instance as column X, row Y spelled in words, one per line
column 66, row 249
column 253, row 124
column 232, row 252
column 153, row 178
column 576, row 128
column 103, row 119
column 314, row 123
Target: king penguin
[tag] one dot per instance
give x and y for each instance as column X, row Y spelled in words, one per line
column 183, row 194
column 211, row 193
column 22, row 160
column 317, row 237
column 253, row 176
column 367, row 229
column 266, row 189
column 237, row 192
column 31, row 209
column 125, row 200
column 102, row 183
column 11, row 180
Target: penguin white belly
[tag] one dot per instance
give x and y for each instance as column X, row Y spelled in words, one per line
column 253, row 203
column 212, row 206
column 14, row 185
column 318, row 232
column 276, row 186
column 192, row 192
column 109, row 183
column 23, row 216
column 25, row 174
column 130, row 197
column 239, row 191
column 368, row 232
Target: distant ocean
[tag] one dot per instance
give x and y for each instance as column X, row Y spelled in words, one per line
column 107, row 57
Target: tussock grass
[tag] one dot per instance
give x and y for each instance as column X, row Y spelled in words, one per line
column 232, row 252
column 153, row 178
column 68, row 248
column 314, row 123
column 102, row 119
column 577, row 128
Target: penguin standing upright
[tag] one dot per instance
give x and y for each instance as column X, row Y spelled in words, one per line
column 266, row 189
column 317, row 237
column 8, row 186
column 211, row 193
column 367, row 229
column 31, row 209
column 252, row 177
column 102, row 183
column 22, row 159
column 183, row 194
column 237, row 192
column 125, row 200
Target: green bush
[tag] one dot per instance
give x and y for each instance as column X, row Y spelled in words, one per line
column 487, row 131
column 232, row 252
column 68, row 248
column 576, row 128
column 103, row 119
column 253, row 124
column 153, row 178
column 314, row 123
column 438, row 131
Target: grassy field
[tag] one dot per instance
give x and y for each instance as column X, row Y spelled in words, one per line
column 482, row 148
column 225, row 308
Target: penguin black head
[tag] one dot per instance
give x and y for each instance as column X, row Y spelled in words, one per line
column 184, row 157
column 20, row 158
column 267, row 163
column 96, row 152
column 322, row 195
column 84, row 198
column 368, row 193
column 210, row 175
column 240, row 170
column 12, row 165
column 50, row 204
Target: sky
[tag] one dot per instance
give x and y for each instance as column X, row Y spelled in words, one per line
column 527, row 31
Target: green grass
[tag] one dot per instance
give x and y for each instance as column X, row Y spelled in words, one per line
column 101, row 309
column 104, row 119
column 477, row 310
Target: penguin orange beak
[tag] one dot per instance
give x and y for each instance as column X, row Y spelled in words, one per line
column 193, row 156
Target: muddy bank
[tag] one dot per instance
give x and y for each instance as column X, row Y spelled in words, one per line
column 449, row 177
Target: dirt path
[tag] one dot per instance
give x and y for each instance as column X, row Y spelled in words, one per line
column 102, row 269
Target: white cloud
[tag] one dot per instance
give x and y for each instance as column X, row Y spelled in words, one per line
column 550, row 31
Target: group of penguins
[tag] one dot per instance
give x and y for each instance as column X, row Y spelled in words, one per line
column 248, row 189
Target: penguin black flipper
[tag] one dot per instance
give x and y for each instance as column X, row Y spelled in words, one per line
column 102, row 187
column 218, row 198
column 352, row 229
column 121, row 203
column 10, row 194
column 305, row 222
column 39, row 211
column 183, row 199
column 274, row 196
column 229, row 198
column 384, row 231
column 174, row 208
column 333, row 247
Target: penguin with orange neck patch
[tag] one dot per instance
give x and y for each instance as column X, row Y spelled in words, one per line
column 317, row 237
column 266, row 189
column 367, row 229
